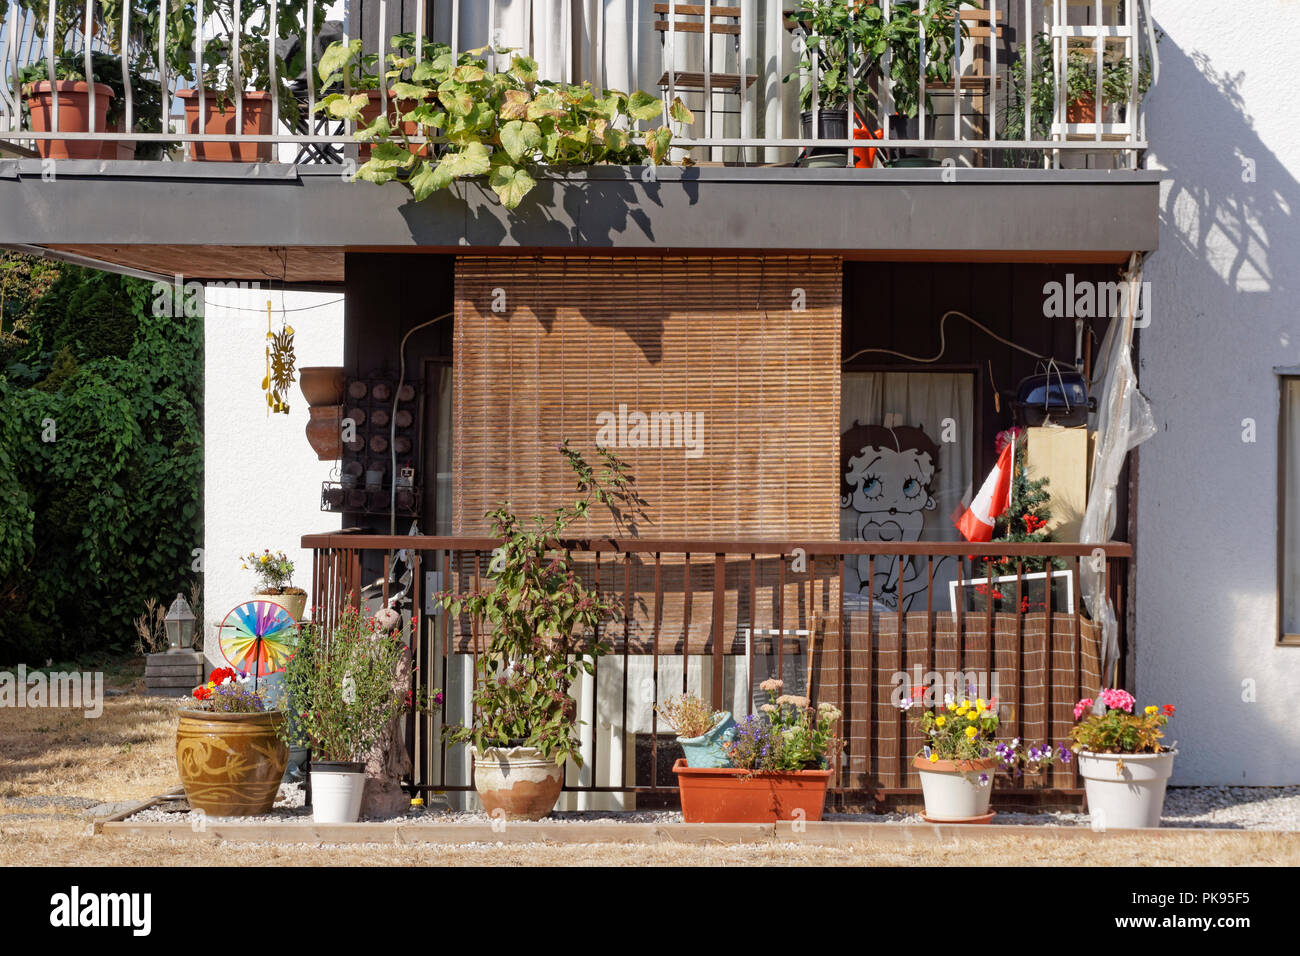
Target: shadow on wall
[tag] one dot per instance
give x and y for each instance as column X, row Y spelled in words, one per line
column 1239, row 204
column 1228, row 241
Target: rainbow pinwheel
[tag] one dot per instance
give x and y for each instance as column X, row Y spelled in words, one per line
column 258, row 637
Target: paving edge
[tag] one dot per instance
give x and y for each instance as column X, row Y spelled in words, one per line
column 824, row 833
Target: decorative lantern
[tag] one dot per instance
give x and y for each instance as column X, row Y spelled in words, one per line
column 180, row 626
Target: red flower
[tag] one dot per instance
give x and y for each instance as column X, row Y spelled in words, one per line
column 202, row 693
column 1169, row 709
column 220, row 674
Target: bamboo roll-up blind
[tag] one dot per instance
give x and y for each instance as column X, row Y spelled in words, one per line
column 748, row 347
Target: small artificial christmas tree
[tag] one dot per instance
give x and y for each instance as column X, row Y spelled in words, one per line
column 1025, row 520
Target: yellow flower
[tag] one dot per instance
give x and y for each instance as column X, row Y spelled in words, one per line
column 1152, row 710
column 940, row 721
column 265, row 559
column 979, row 703
column 952, row 706
column 971, row 731
column 965, row 704
column 934, row 757
column 962, row 711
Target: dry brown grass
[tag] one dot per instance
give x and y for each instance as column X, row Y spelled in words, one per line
column 128, row 754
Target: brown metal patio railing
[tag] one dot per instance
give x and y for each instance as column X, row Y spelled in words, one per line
column 733, row 612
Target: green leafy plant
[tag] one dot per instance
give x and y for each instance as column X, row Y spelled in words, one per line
column 544, row 619
column 1118, row 729
column 342, row 685
column 101, row 458
column 850, row 38
column 688, row 716
column 786, row 734
column 1080, row 85
column 503, row 125
column 964, row 730
column 273, row 569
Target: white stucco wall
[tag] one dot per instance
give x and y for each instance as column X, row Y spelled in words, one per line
column 1225, row 314
column 261, row 478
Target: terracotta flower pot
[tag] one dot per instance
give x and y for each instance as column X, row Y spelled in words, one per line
column 258, row 121
column 230, row 764
column 322, row 384
column 953, row 790
column 731, row 795
column 1082, row 110
column 324, row 431
column 74, row 117
column 396, row 108
column 519, row 781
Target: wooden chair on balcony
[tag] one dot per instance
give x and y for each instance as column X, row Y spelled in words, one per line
column 707, row 21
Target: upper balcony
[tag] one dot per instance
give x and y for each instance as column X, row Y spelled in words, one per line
column 970, row 130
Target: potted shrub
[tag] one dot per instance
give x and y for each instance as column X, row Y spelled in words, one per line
column 274, row 572
column 503, row 125
column 700, row 729
column 961, row 756
column 544, row 623
column 228, row 748
column 778, row 769
column 847, row 38
column 1124, row 766
column 254, row 77
column 342, row 683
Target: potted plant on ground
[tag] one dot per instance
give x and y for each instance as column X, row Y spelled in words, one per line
column 845, row 44
column 228, row 748
column 961, row 757
column 1124, row 766
column 342, row 685
column 779, row 762
column 545, row 633
column 700, row 730
column 274, row 573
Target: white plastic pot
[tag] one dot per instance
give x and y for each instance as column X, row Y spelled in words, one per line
column 336, row 790
column 1125, row 791
column 954, row 791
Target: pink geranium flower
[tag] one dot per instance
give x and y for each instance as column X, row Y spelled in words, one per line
column 1081, row 706
column 1117, row 699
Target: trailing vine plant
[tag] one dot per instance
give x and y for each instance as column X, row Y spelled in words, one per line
column 503, row 124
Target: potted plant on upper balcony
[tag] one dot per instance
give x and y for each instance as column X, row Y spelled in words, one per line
column 504, row 125
column 1124, row 766
column 220, row 72
column 545, row 633
column 701, row 731
column 274, row 573
column 228, row 748
column 845, row 45
column 1080, row 88
column 342, row 683
column 778, row 765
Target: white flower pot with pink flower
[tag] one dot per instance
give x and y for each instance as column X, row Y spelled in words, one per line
column 1124, row 765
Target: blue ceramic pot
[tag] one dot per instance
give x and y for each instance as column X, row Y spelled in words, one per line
column 706, row 749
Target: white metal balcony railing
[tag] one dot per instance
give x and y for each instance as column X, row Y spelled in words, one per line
column 728, row 61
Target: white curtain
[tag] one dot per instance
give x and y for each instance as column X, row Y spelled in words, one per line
column 942, row 406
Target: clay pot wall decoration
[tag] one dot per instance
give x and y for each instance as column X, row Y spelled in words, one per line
column 324, row 431
column 321, row 384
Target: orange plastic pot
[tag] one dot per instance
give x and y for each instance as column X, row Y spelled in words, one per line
column 74, row 117
column 258, row 121
column 730, row 795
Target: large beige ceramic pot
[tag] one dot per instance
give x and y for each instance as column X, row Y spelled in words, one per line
column 230, row 764
column 518, row 781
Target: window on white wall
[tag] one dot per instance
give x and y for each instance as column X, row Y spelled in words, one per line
column 1289, row 510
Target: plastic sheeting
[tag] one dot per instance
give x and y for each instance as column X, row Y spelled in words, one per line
column 1123, row 421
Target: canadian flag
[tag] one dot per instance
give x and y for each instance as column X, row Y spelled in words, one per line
column 994, row 499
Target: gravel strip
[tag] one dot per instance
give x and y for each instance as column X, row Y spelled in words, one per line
column 1237, row 808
